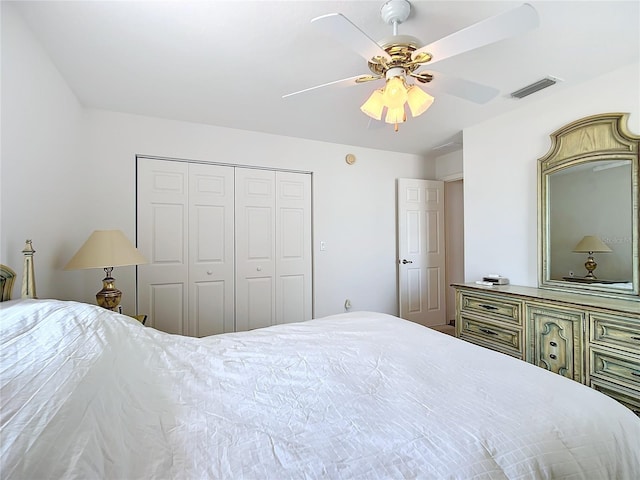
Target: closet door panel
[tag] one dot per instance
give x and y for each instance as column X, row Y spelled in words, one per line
column 167, row 307
column 209, row 312
column 293, row 247
column 211, row 252
column 161, row 234
column 259, row 302
column 255, row 248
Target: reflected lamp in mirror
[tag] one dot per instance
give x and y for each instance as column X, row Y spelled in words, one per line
column 106, row 249
column 591, row 244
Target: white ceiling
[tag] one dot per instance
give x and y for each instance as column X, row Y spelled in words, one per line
column 228, row 63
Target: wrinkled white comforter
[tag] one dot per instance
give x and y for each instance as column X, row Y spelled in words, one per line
column 91, row 394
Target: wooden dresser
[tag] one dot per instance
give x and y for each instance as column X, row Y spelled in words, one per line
column 592, row 340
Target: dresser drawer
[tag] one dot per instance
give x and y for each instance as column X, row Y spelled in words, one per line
column 628, row 397
column 495, row 306
column 503, row 338
column 616, row 367
column 555, row 339
column 616, row 331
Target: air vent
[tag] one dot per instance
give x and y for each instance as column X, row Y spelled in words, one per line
column 447, row 145
column 534, row 87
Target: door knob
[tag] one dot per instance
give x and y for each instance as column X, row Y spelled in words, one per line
column 405, row 261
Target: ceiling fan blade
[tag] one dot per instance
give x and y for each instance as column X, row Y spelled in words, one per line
column 458, row 87
column 374, row 124
column 504, row 25
column 345, row 82
column 340, row 27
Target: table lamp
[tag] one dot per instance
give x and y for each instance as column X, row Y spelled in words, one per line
column 106, row 249
column 590, row 244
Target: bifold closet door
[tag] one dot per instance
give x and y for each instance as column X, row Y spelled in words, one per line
column 273, row 248
column 255, row 248
column 211, row 250
column 229, row 248
column 163, row 197
column 293, row 247
column 185, row 229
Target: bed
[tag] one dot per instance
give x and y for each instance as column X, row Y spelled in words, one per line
column 89, row 393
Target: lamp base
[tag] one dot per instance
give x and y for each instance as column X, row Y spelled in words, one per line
column 109, row 297
column 590, row 265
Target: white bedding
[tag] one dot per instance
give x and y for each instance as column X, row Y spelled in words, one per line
column 91, row 394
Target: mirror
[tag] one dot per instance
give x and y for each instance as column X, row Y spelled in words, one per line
column 588, row 209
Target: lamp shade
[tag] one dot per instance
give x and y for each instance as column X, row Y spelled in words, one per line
column 105, row 248
column 591, row 243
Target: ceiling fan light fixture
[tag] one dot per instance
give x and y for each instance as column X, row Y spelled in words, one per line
column 395, row 92
column 419, row 101
column 395, row 115
column 374, row 105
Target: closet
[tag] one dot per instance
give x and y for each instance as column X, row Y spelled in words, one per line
column 229, row 248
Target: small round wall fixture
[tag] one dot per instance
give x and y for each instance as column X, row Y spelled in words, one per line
column 350, row 158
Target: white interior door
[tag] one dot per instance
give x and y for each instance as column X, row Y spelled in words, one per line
column 163, row 206
column 255, row 248
column 421, row 251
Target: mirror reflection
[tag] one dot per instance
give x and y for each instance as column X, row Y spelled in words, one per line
column 590, row 224
column 588, row 203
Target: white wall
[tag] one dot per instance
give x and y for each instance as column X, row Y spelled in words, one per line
column 500, row 171
column 42, row 132
column 69, row 171
column 449, row 166
column 353, row 206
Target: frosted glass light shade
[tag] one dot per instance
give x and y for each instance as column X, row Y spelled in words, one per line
column 395, row 115
column 419, row 100
column 395, row 93
column 105, row 248
column 374, row 105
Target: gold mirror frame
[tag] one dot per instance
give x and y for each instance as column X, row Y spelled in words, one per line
column 603, row 137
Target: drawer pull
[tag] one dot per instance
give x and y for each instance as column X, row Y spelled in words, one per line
column 552, row 356
column 636, row 374
column 635, row 338
column 553, row 344
column 487, row 331
column 488, row 307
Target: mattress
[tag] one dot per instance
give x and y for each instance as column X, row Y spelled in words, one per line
column 87, row 393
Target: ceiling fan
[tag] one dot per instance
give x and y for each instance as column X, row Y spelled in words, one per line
column 401, row 56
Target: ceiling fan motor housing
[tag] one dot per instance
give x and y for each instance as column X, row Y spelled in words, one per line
column 395, row 11
column 399, row 47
